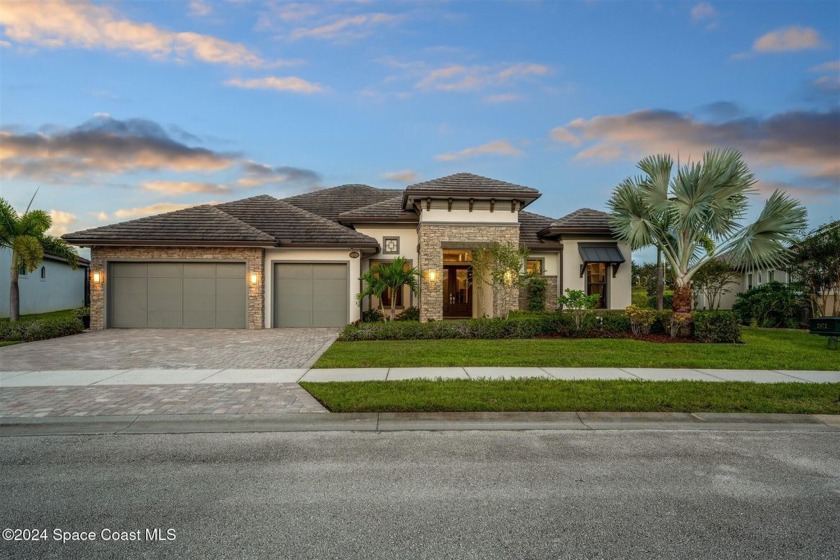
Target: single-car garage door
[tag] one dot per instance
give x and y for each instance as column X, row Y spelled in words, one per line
column 310, row 295
column 172, row 295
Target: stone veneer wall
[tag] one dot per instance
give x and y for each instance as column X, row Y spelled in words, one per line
column 432, row 236
column 99, row 256
column 550, row 295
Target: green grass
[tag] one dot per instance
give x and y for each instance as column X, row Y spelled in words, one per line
column 8, row 342
column 762, row 349
column 579, row 396
column 51, row 315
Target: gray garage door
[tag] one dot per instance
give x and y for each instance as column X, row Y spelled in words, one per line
column 310, row 295
column 169, row 295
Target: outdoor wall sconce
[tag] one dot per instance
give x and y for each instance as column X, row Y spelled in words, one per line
column 508, row 278
column 254, row 278
column 97, row 277
column 433, row 276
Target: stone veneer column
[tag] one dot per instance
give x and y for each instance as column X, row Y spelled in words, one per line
column 431, row 238
column 100, row 256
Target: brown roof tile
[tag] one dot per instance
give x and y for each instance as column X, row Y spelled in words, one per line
column 530, row 225
column 198, row 225
column 583, row 221
column 290, row 225
column 329, row 203
column 390, row 210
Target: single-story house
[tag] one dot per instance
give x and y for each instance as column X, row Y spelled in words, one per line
column 262, row 262
column 52, row 286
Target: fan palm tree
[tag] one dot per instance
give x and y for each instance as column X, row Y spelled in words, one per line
column 694, row 216
column 25, row 234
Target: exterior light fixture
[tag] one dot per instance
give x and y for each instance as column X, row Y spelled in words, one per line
column 97, row 277
column 433, row 276
column 254, row 278
column 508, row 277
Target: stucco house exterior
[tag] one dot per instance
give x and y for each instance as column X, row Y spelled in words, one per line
column 263, row 262
column 53, row 286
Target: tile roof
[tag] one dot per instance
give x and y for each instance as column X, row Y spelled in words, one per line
column 290, row 225
column 530, row 225
column 468, row 182
column 329, row 203
column 390, row 210
column 197, row 225
column 585, row 221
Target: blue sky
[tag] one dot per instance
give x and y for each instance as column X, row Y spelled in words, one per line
column 122, row 109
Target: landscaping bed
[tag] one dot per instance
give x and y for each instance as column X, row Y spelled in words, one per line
column 519, row 395
column 42, row 326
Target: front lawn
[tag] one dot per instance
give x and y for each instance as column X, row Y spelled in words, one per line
column 577, row 396
column 762, row 349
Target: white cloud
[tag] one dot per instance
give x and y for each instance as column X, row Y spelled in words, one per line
column 287, row 83
column 404, row 176
column 497, row 147
column 61, row 222
column 803, row 141
column 102, row 216
column 704, row 12
column 832, row 66
column 345, row 28
column 60, row 23
column 174, row 188
column 457, row 77
column 200, row 8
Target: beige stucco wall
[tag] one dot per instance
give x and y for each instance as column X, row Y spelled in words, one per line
column 101, row 256
column 619, row 291
column 273, row 256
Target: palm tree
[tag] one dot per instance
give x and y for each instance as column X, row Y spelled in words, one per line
column 389, row 277
column 25, row 234
column 694, row 216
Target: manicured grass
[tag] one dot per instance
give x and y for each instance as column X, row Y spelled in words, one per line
column 580, row 396
column 50, row 315
column 8, row 342
column 762, row 349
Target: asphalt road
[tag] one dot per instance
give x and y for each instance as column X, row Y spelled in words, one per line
column 427, row 495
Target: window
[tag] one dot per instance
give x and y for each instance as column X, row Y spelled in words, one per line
column 749, row 281
column 771, row 276
column 391, row 245
column 22, row 271
column 535, row 266
column 43, row 273
column 596, row 283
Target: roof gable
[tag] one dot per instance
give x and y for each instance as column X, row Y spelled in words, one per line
column 584, row 221
column 469, row 185
column 530, row 226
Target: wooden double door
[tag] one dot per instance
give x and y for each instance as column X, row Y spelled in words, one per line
column 457, row 291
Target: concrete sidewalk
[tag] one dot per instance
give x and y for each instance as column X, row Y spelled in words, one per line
column 239, row 376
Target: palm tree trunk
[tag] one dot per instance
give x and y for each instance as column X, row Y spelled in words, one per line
column 660, row 280
column 14, row 291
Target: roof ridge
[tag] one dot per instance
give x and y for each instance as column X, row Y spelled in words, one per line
column 381, row 202
column 218, row 210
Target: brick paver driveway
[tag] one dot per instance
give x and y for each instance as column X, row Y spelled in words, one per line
column 171, row 349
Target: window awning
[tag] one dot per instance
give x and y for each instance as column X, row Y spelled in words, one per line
column 606, row 253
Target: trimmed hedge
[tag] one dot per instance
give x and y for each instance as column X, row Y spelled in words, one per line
column 716, row 326
column 39, row 329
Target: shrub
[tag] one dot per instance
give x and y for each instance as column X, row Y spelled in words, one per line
column 40, row 329
column 640, row 299
column 640, row 320
column 579, row 305
column 409, row 314
column 716, row 326
column 535, row 288
column 372, row 316
column 661, row 322
column 771, row 305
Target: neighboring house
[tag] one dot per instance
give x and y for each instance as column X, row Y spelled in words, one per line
column 52, row 286
column 263, row 262
column 742, row 281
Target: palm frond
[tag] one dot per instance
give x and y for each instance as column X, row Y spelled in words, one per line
column 656, row 187
column 35, row 223
column 59, row 248
column 28, row 252
column 8, row 223
column 631, row 218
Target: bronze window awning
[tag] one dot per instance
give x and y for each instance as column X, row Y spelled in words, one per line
column 606, row 253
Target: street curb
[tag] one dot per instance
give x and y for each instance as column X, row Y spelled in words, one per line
column 425, row 421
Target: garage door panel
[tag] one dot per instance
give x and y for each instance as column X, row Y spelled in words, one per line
column 310, row 295
column 165, row 270
column 178, row 295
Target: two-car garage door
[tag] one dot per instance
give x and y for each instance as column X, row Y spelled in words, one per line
column 177, row 295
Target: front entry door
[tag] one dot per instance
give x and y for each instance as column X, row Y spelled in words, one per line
column 457, row 291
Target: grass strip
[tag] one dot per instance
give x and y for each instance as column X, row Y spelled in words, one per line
column 515, row 395
column 762, row 349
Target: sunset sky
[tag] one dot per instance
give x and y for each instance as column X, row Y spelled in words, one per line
column 117, row 110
